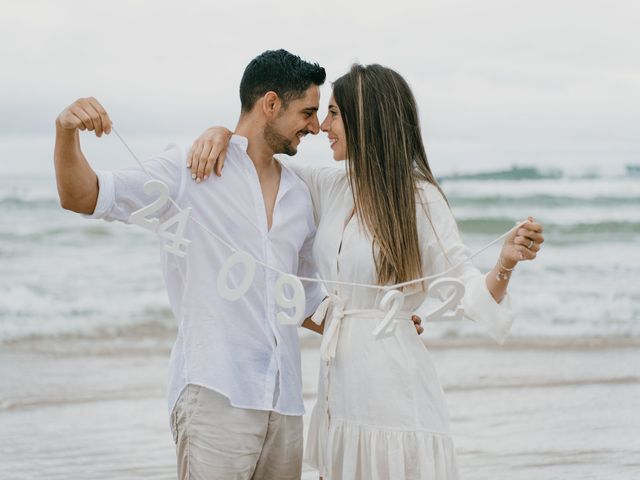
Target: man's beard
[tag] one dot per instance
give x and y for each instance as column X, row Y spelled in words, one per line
column 278, row 142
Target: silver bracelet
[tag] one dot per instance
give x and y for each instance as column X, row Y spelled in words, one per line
column 506, row 274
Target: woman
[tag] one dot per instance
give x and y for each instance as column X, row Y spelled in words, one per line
column 381, row 412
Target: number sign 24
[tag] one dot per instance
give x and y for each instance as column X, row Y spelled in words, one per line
column 176, row 244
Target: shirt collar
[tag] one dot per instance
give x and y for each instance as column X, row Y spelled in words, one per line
column 242, row 142
column 287, row 177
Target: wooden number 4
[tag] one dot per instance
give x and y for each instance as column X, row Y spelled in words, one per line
column 177, row 244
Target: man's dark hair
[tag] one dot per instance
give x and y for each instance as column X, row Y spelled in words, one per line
column 281, row 72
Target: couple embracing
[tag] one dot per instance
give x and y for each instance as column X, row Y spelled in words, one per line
column 235, row 388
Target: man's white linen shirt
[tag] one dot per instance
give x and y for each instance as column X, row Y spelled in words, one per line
column 237, row 348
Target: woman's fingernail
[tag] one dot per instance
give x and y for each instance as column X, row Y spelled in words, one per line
column 206, row 176
column 197, row 180
column 193, row 176
column 188, row 164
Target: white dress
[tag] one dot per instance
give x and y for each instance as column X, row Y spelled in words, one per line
column 381, row 412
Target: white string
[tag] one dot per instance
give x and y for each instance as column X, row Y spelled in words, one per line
column 319, row 280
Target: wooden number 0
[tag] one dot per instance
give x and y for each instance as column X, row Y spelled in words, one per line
column 236, row 293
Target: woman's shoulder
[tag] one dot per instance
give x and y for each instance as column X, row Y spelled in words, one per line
column 315, row 176
column 429, row 193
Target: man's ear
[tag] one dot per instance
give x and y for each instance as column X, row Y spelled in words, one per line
column 271, row 104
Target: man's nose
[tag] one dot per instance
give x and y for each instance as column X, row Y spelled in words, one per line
column 314, row 126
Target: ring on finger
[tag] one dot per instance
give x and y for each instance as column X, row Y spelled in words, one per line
column 530, row 245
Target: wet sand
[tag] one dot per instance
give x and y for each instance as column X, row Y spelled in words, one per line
column 95, row 409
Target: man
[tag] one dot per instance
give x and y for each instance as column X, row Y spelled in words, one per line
column 235, row 390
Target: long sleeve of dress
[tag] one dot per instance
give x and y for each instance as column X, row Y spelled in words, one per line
column 314, row 292
column 444, row 249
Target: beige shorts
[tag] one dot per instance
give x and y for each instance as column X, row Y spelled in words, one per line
column 215, row 441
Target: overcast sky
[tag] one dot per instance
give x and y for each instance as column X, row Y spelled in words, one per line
column 500, row 81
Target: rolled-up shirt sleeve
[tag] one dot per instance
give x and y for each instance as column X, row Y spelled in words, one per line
column 105, row 195
column 444, row 250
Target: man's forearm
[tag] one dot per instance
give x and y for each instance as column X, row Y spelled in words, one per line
column 76, row 180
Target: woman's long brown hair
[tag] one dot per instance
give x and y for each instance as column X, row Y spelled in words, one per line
column 386, row 158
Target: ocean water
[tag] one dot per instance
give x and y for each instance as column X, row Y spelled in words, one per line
column 85, row 332
column 63, row 276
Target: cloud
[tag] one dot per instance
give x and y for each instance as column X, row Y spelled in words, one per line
column 503, row 74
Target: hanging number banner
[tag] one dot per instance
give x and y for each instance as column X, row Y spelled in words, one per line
column 447, row 290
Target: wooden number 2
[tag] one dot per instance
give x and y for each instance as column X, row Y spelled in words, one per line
column 391, row 303
column 450, row 291
column 139, row 216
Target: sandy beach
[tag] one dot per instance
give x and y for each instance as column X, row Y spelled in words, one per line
column 85, row 335
column 95, row 409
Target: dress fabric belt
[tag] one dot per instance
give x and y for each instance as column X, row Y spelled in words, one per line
column 332, row 311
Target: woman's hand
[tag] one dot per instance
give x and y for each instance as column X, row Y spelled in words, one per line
column 523, row 244
column 417, row 323
column 208, row 153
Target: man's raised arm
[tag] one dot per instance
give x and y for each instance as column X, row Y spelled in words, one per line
column 76, row 180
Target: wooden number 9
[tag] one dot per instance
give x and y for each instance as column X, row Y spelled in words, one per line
column 296, row 301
